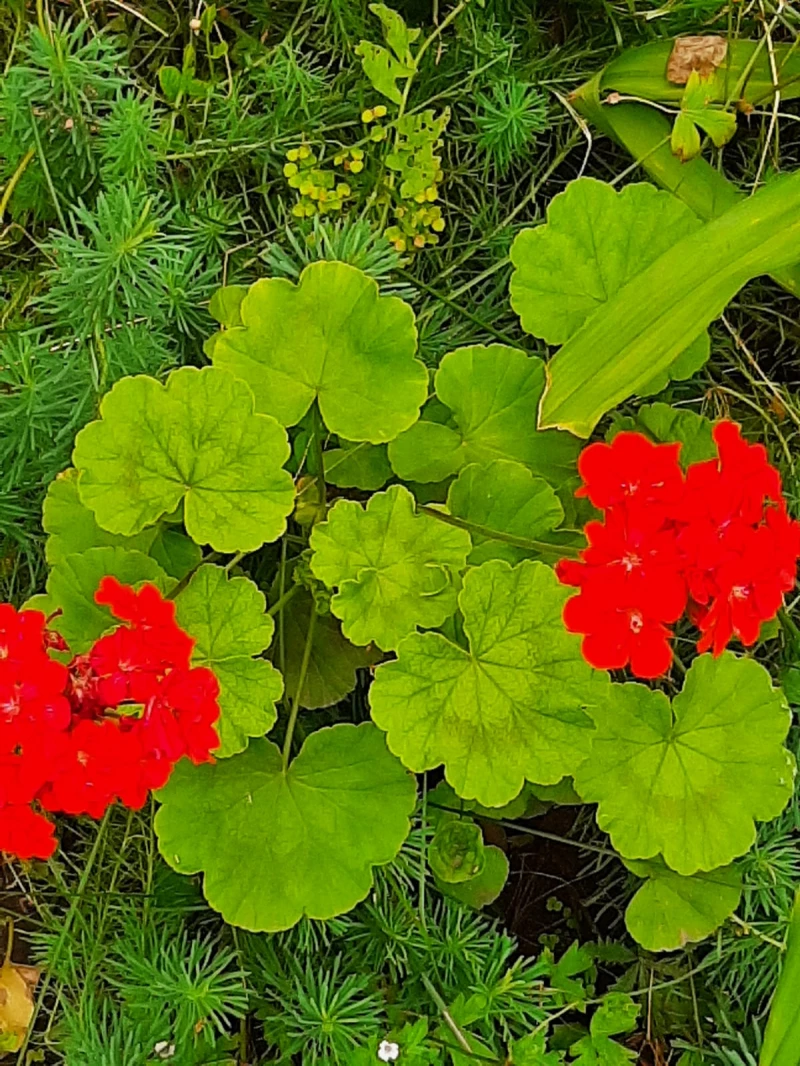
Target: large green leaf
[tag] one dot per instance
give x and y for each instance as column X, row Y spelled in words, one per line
column 595, row 241
column 357, row 466
column 670, row 911
column 73, row 581
column 196, row 440
column 226, row 616
column 394, row 569
column 332, row 662
column 511, row 706
column 689, row 779
column 276, row 845
column 71, row 529
column 330, row 338
column 493, row 393
column 645, row 326
column 505, row 497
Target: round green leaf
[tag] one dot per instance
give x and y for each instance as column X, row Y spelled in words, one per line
column 277, row 845
column 506, row 497
column 510, row 707
column 429, row 451
column 73, row 582
column 196, row 440
column 688, row 780
column 226, row 617
column 333, row 662
column 493, row 393
column 175, row 552
column 71, row 527
column 332, row 338
column 456, row 852
column 357, row 466
column 394, row 569
column 670, row 911
column 595, row 240
column 486, row 886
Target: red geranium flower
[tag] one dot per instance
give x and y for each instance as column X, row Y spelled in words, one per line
column 633, row 473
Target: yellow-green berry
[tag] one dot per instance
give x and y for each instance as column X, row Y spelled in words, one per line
column 379, row 111
column 367, row 115
column 289, row 169
column 303, row 152
column 438, row 225
column 356, row 166
column 292, row 155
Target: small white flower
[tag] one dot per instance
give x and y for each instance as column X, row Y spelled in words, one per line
column 164, row 1050
column 194, row 25
column 388, row 1052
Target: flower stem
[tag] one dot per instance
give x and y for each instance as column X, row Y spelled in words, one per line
column 541, row 546
column 301, row 680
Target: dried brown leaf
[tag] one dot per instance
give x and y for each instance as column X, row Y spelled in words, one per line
column 17, row 984
column 703, row 54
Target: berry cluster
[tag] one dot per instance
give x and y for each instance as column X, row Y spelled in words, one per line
column 716, row 543
column 108, row 726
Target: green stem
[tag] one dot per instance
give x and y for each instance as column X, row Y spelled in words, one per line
column 281, row 602
column 11, row 184
column 789, row 625
column 541, row 546
column 301, row 680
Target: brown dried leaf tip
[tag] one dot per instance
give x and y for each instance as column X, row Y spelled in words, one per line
column 703, row 54
column 17, row 985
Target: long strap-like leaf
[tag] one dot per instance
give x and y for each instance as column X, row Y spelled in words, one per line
column 781, row 1045
column 645, row 326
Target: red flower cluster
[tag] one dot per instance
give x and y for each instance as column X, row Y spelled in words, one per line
column 109, row 726
column 716, row 543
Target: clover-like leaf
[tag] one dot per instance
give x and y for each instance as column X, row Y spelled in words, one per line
column 698, row 113
column 689, row 780
column 505, row 497
column 357, row 466
column 493, row 393
column 670, row 911
column 393, row 568
column 195, row 440
column 511, row 706
column 227, row 618
column 333, row 660
column 276, row 845
column 331, row 338
column 73, row 581
column 595, row 240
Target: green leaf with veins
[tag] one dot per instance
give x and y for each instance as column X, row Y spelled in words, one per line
column 74, row 580
column 357, row 466
column 197, row 441
column 503, row 496
column 227, row 618
column 71, row 526
column 689, row 779
column 331, row 338
column 278, row 845
column 226, row 303
column 394, row 569
column 670, row 911
column 72, row 529
column 332, row 666
column 665, row 424
column 456, row 852
column 596, row 239
column 696, row 111
column 493, row 393
column 511, row 706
